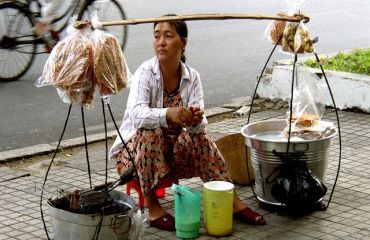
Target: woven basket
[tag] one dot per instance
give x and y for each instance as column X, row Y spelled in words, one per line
column 233, row 148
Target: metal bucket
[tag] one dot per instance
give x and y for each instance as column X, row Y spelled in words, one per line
column 67, row 225
column 261, row 139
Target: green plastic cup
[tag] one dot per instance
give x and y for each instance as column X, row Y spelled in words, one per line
column 187, row 211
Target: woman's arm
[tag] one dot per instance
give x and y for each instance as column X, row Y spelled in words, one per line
column 144, row 113
column 196, row 105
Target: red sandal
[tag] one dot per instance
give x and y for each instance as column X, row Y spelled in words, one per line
column 165, row 222
column 249, row 216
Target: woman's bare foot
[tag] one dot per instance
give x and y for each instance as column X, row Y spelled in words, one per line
column 153, row 205
column 238, row 205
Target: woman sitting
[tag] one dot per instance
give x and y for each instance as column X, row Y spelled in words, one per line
column 164, row 127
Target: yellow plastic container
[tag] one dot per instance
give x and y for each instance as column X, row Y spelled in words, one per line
column 218, row 207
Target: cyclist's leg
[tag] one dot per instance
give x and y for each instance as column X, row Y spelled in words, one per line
column 49, row 9
column 43, row 28
column 109, row 10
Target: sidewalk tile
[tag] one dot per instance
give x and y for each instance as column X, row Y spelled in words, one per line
column 348, row 216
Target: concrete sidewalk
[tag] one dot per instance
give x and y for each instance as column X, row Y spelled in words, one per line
column 348, row 216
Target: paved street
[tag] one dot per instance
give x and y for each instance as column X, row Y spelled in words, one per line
column 348, row 216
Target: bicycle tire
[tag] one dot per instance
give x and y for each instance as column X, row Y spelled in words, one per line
column 119, row 31
column 15, row 58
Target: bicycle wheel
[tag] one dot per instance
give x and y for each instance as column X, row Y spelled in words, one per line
column 17, row 43
column 109, row 10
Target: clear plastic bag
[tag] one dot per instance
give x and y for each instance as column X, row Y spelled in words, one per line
column 84, row 98
column 309, row 96
column 110, row 67
column 296, row 38
column 69, row 68
column 293, row 37
column 287, row 43
column 275, row 29
column 66, row 66
column 140, row 222
column 302, row 40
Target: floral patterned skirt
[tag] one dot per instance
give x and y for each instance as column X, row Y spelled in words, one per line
column 159, row 154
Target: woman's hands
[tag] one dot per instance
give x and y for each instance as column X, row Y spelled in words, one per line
column 185, row 117
column 197, row 114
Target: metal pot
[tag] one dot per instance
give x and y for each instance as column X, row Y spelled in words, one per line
column 263, row 139
column 68, row 225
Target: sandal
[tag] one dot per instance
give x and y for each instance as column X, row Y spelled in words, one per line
column 166, row 222
column 249, row 216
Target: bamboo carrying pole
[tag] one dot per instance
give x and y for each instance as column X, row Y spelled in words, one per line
column 212, row 16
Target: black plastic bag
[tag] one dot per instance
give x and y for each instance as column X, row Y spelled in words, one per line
column 296, row 186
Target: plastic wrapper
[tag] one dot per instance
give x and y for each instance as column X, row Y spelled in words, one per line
column 275, row 29
column 294, row 37
column 69, row 68
column 287, row 42
column 319, row 129
column 110, row 67
column 140, row 222
column 84, row 98
column 68, row 61
column 308, row 106
column 302, row 40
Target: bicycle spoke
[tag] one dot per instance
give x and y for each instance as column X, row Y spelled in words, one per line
column 18, row 45
column 19, row 60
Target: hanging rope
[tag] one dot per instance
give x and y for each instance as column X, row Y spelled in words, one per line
column 47, row 171
column 86, row 150
column 100, row 223
column 339, row 133
column 121, row 138
column 294, row 77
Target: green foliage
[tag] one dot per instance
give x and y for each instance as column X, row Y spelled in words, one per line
column 356, row 61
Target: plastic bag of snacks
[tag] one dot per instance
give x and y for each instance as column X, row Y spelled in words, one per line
column 275, row 29
column 302, row 40
column 110, row 67
column 290, row 30
column 293, row 37
column 308, row 105
column 69, row 68
column 296, row 38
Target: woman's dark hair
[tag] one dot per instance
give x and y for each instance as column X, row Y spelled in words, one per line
column 181, row 28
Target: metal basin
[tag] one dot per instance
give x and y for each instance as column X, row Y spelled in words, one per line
column 73, row 226
column 264, row 140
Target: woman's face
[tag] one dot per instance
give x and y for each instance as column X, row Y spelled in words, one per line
column 168, row 44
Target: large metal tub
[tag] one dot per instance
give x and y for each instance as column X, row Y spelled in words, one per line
column 261, row 138
column 73, row 226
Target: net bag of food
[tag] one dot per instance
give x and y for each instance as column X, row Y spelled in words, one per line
column 110, row 67
column 308, row 103
column 69, row 68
